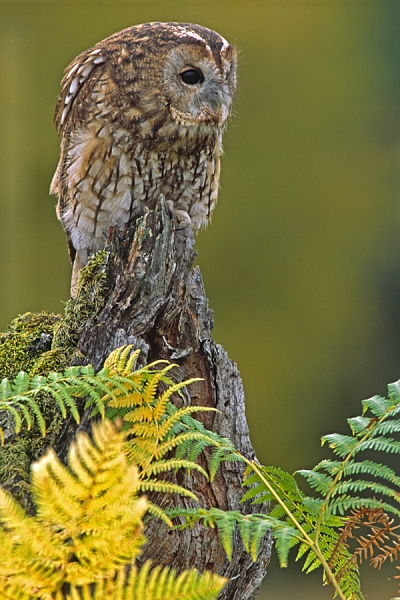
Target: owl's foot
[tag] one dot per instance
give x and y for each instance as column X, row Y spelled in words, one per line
column 181, row 216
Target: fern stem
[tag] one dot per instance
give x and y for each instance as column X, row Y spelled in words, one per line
column 306, row 538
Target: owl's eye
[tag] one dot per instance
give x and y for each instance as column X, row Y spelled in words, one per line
column 192, row 76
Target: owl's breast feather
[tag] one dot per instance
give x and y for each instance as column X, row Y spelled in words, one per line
column 110, row 178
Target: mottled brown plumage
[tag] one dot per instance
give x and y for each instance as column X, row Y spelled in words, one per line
column 141, row 114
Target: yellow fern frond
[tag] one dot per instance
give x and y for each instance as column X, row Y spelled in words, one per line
column 166, row 395
column 150, row 389
column 10, row 592
column 138, row 451
column 158, row 512
column 168, row 423
column 121, row 361
column 154, row 426
column 88, row 530
column 141, row 413
column 133, row 398
column 89, row 518
column 156, row 584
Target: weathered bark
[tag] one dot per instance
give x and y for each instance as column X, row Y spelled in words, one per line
column 156, row 301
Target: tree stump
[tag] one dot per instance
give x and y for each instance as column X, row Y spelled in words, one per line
column 156, row 301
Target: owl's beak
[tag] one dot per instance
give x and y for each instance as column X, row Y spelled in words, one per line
column 218, row 100
column 214, row 106
column 217, row 108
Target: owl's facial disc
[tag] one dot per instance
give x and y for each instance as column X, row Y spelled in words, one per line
column 197, row 88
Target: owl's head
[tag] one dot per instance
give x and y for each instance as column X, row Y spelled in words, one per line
column 198, row 74
column 186, row 68
column 161, row 75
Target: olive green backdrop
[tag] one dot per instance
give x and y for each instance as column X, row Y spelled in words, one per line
column 302, row 262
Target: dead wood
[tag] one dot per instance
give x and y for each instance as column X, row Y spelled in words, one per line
column 156, row 301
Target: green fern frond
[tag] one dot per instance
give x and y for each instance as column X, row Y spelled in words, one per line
column 285, row 536
column 381, row 444
column 317, row 480
column 20, row 397
column 379, row 406
column 158, row 485
column 221, row 454
column 222, row 449
column 342, row 445
column 360, row 485
column 173, row 464
column 369, row 467
column 284, row 483
column 252, row 528
column 342, row 485
column 344, row 504
column 388, row 427
column 172, row 443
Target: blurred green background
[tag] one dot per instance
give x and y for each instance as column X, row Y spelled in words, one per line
column 302, row 262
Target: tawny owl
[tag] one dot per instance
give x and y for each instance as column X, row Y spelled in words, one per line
column 141, row 114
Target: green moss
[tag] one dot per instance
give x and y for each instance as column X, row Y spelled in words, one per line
column 53, row 360
column 22, row 450
column 28, row 336
column 22, row 348
column 15, row 463
column 87, row 303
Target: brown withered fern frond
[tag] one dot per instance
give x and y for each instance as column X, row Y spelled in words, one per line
column 380, row 544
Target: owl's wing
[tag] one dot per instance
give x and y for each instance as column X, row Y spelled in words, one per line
column 76, row 74
column 56, row 189
column 75, row 77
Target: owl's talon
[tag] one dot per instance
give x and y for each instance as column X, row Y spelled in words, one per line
column 184, row 224
column 182, row 219
column 181, row 216
column 170, row 207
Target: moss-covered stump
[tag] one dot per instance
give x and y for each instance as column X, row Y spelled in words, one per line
column 39, row 343
column 22, row 348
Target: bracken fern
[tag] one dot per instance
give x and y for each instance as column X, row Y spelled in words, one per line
column 87, row 531
column 19, row 397
column 160, row 437
column 352, row 492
